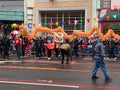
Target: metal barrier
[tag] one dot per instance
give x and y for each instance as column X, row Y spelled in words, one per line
column 89, row 50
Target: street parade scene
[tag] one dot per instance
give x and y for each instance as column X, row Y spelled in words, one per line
column 60, row 44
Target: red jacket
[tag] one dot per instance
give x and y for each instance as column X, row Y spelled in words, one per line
column 17, row 42
column 84, row 44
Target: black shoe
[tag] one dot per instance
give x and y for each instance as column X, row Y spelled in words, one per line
column 95, row 77
column 108, row 79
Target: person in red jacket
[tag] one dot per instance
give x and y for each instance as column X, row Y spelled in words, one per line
column 17, row 44
column 84, row 43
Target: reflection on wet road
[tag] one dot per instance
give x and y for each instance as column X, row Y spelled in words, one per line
column 45, row 76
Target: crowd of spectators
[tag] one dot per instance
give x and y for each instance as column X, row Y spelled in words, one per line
column 81, row 46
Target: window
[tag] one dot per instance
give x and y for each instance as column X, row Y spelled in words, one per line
column 64, row 16
column 106, row 4
column 115, row 26
column 61, row 0
column 30, row 11
column 81, row 0
column 43, row 0
column 52, row 0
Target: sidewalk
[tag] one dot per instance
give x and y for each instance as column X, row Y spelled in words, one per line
column 44, row 59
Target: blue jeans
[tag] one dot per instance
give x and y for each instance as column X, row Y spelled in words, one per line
column 100, row 63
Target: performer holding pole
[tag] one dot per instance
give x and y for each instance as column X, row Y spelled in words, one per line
column 66, row 50
column 58, row 39
column 49, row 46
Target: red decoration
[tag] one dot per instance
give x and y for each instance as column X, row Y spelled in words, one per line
column 49, row 45
column 50, row 23
column 88, row 20
column 51, row 0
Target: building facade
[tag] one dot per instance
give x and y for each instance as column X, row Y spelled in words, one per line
column 109, row 15
column 11, row 11
column 70, row 14
column 29, row 13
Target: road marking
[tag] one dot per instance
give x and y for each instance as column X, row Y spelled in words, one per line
column 39, row 84
column 53, row 84
column 52, row 62
column 51, row 69
column 10, row 61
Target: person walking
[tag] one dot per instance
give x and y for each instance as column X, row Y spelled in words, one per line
column 99, row 61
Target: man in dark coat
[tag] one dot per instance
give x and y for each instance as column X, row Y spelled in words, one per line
column 39, row 45
column 6, row 45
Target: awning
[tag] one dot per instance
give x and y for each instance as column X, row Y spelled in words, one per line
column 111, row 15
column 12, row 15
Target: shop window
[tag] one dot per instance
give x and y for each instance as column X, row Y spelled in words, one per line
column 43, row 0
column 106, row 4
column 81, row 0
column 66, row 19
column 52, row 0
column 115, row 26
column 61, row 0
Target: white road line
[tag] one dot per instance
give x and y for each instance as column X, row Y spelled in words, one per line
column 9, row 61
column 39, row 84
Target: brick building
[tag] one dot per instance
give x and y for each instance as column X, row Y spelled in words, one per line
column 70, row 14
column 73, row 14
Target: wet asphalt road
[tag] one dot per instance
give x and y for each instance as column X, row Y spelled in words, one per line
column 51, row 75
